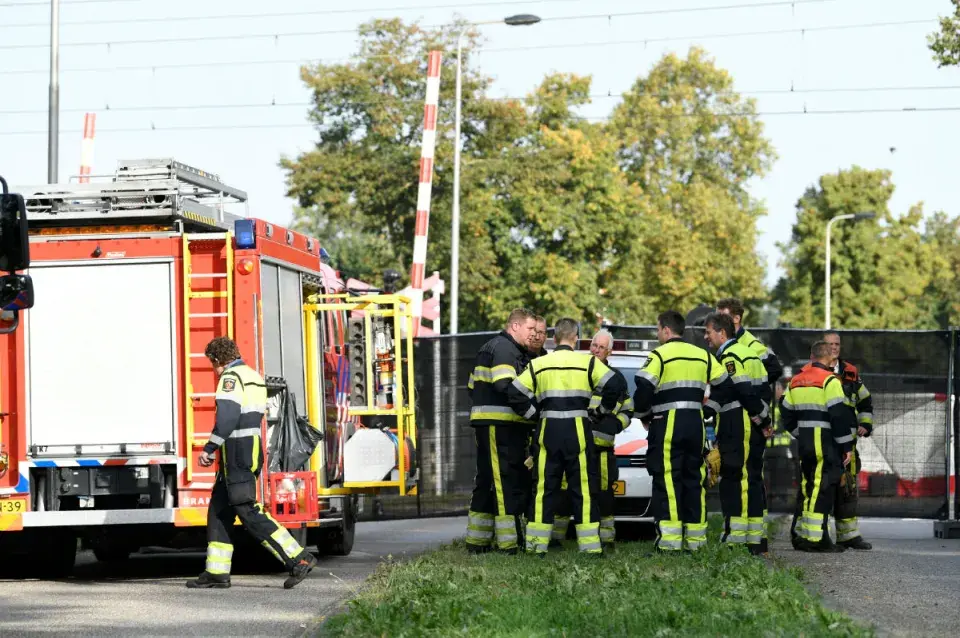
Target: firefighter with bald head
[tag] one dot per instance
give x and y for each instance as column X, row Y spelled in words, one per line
column 813, row 410
column 555, row 390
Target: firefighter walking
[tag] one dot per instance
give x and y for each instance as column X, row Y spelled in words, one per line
column 556, row 389
column 669, row 397
column 813, row 410
column 741, row 431
column 501, row 484
column 241, row 402
column 858, row 399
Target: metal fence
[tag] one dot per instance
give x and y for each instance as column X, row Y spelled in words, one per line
column 905, row 462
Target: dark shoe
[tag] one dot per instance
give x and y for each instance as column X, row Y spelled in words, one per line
column 207, row 580
column 554, row 543
column 478, row 549
column 305, row 563
column 610, row 548
column 857, row 543
column 831, row 548
column 803, row 545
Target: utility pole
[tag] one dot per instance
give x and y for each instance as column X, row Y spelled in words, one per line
column 53, row 125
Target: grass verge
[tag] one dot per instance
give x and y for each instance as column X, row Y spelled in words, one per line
column 717, row 592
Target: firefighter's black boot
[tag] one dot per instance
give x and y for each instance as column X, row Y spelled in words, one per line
column 305, row 563
column 856, row 543
column 478, row 549
column 206, row 580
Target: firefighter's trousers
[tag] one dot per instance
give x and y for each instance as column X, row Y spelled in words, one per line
column 564, row 449
column 820, row 469
column 227, row 502
column 561, row 513
column 846, row 501
column 675, row 462
column 743, row 496
column 501, row 487
column 607, row 468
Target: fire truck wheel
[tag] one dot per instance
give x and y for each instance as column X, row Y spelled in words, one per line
column 58, row 555
column 340, row 542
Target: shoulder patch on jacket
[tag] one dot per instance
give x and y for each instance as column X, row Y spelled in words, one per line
column 731, row 367
column 229, row 384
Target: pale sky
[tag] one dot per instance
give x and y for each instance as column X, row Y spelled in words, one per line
column 889, row 66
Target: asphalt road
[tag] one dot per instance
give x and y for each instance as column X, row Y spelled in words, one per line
column 147, row 596
column 907, row 585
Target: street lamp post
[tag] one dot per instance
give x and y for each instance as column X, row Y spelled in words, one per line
column 854, row 216
column 53, row 121
column 516, row 20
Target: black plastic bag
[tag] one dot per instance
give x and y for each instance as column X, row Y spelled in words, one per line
column 294, row 440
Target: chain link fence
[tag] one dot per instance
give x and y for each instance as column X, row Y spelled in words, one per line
column 905, row 461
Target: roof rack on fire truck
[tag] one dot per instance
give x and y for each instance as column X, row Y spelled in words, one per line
column 142, row 191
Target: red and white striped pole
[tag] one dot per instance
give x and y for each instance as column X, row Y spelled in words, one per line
column 86, row 147
column 426, row 184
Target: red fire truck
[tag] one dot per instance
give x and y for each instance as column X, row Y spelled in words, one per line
column 106, row 398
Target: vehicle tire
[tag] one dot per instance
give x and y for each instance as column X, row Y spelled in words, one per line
column 340, row 541
column 58, row 555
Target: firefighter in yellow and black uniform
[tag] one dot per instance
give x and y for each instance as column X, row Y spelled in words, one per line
column 241, row 401
column 502, row 480
column 814, row 411
column 556, row 390
column 669, row 400
column 741, row 430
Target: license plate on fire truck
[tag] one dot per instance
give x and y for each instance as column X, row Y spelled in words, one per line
column 13, row 505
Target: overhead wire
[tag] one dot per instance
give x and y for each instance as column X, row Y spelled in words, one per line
column 292, row 14
column 484, row 50
column 409, row 8
column 795, row 113
column 108, row 108
column 297, row 34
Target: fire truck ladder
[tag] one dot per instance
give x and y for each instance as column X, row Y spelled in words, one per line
column 198, row 440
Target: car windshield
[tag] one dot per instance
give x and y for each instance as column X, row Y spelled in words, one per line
column 630, row 374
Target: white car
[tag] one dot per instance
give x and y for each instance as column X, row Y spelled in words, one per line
column 634, row 485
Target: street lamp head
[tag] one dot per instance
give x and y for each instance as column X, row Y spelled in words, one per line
column 864, row 215
column 522, row 20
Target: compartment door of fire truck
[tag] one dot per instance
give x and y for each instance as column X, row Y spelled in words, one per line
column 101, row 358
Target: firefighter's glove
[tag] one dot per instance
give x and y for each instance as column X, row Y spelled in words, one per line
column 528, row 462
column 713, row 467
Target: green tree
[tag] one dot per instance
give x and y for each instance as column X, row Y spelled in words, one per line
column 945, row 42
column 942, row 297
column 691, row 144
column 556, row 213
column 880, row 267
column 357, row 188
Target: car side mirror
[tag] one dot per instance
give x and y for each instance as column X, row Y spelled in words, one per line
column 14, row 239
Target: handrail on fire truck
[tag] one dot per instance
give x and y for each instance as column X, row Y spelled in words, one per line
column 141, row 190
column 399, row 351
